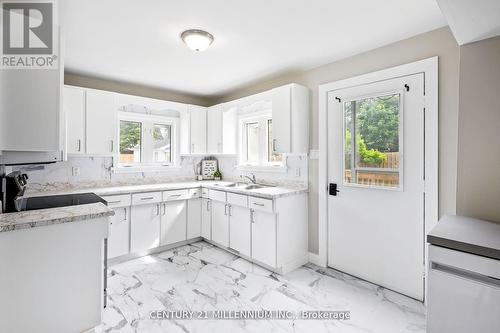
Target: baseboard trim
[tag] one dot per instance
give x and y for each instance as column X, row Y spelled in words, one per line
column 316, row 259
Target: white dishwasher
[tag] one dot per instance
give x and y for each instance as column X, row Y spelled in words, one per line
column 463, row 294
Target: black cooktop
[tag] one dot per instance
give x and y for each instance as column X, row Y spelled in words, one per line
column 53, row 201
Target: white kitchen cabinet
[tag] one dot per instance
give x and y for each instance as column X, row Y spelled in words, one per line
column 145, row 227
column 220, row 223
column 240, row 229
column 214, row 129
column 263, row 237
column 230, row 128
column 206, row 218
column 74, row 108
column 101, row 122
column 198, row 129
column 119, row 232
column 290, row 112
column 173, row 222
column 194, row 218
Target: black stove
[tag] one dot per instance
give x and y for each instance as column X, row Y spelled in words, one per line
column 54, row 201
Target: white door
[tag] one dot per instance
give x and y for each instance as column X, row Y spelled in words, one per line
column 376, row 220
column 101, row 119
column 239, row 229
column 214, row 129
column 264, row 237
column 198, row 129
column 220, row 223
column 74, row 108
column 119, row 233
column 206, row 218
column 145, row 227
column 194, row 218
column 173, row 222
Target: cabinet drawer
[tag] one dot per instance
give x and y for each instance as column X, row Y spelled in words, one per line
column 146, row 198
column 217, row 195
column 175, row 195
column 265, row 205
column 194, row 193
column 204, row 192
column 122, row 200
column 237, row 199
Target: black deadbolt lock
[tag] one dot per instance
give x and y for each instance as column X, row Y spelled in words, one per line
column 333, row 189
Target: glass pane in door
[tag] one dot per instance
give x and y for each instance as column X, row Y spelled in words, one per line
column 372, row 127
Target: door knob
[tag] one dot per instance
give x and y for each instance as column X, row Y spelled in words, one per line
column 332, row 189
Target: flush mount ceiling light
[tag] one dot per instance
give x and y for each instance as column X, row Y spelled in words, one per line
column 197, row 40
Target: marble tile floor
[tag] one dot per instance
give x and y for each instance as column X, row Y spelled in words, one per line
column 202, row 277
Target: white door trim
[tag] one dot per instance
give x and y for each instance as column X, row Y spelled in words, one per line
column 429, row 67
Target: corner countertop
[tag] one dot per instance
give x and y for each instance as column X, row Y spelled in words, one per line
column 51, row 216
column 266, row 192
column 467, row 235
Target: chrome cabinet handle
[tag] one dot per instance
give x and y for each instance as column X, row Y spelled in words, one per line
column 174, row 195
column 114, row 202
column 164, row 209
column 79, row 145
column 251, row 216
column 230, row 210
column 192, row 148
column 274, row 144
column 225, row 209
column 147, row 198
column 112, row 146
column 258, row 204
column 208, row 205
column 125, row 215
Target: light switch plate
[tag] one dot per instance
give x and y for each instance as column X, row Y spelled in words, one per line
column 75, row 171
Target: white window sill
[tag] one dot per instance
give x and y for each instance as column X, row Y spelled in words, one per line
column 144, row 168
column 263, row 168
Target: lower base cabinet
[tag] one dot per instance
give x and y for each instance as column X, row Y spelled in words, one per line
column 220, row 223
column 194, row 207
column 145, row 227
column 206, row 218
column 263, row 237
column 240, row 230
column 119, row 233
column 173, row 222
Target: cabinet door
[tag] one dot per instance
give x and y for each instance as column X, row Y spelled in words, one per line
column 264, row 237
column 214, row 129
column 229, row 129
column 74, row 108
column 101, row 122
column 119, row 233
column 145, row 227
column 220, row 223
column 198, row 129
column 194, row 218
column 173, row 222
column 282, row 119
column 206, row 218
column 239, row 229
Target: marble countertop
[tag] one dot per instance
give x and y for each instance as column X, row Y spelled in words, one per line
column 467, row 235
column 266, row 192
column 51, row 216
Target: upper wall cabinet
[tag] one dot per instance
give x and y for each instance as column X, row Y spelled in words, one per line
column 74, row 107
column 214, row 129
column 290, row 112
column 198, row 129
column 101, row 122
column 230, row 128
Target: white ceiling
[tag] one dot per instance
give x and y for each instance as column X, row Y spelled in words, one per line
column 472, row 21
column 138, row 41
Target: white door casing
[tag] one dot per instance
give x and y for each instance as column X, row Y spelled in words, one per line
column 377, row 232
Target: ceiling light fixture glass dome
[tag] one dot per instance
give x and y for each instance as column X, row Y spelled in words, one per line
column 197, row 40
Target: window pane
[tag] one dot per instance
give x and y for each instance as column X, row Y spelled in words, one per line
column 376, row 136
column 130, row 141
column 271, row 156
column 162, row 143
column 252, row 136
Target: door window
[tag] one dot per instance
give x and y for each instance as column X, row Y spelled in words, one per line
column 373, row 141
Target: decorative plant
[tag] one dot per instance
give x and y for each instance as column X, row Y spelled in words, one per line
column 218, row 174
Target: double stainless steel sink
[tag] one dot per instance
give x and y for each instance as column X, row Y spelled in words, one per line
column 244, row 186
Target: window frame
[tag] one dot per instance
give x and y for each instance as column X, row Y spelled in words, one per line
column 262, row 119
column 147, row 150
column 400, row 169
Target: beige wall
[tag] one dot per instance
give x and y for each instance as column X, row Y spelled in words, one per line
column 478, row 187
column 133, row 89
column 435, row 43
